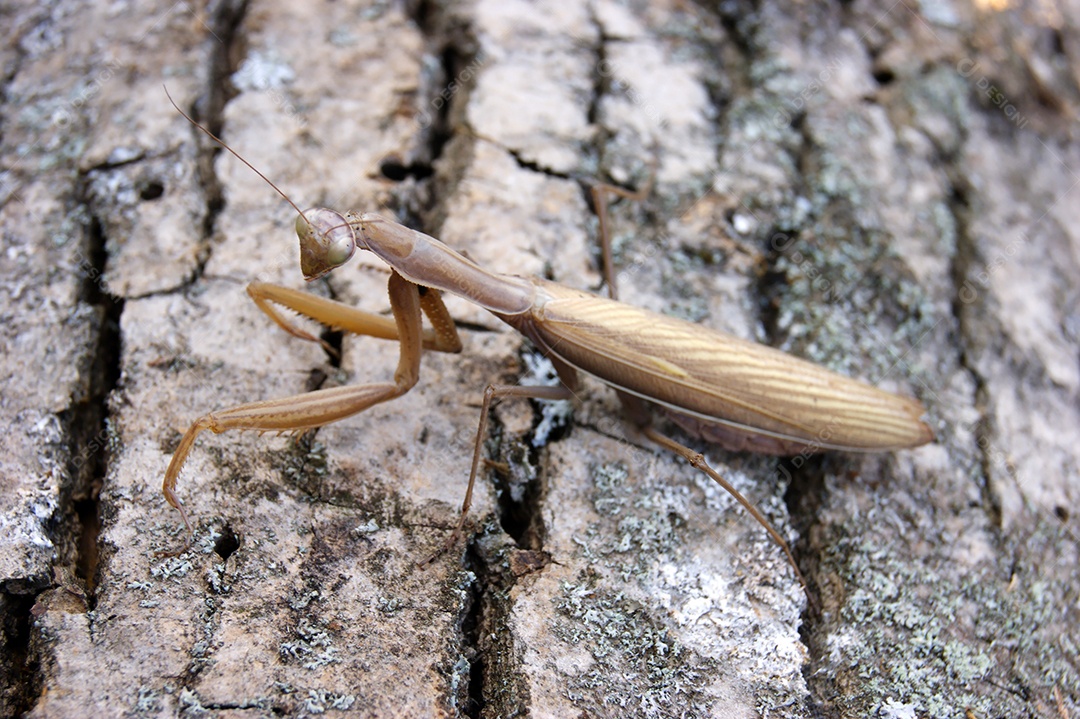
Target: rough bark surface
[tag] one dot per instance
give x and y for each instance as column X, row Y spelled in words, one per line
column 886, row 189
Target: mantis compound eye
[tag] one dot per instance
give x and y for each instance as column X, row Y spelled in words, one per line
column 327, row 241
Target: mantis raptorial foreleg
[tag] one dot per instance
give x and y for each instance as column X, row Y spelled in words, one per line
column 315, row 409
column 442, row 336
column 639, row 414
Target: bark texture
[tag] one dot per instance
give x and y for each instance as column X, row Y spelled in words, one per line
column 886, row 189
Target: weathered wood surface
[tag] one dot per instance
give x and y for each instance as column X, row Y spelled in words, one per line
column 886, row 189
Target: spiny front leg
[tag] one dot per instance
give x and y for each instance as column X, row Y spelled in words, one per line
column 441, row 337
column 318, row 408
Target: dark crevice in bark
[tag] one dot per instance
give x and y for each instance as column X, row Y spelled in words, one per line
column 455, row 61
column 803, row 473
column 394, row 169
column 444, row 85
column 86, row 420
column 520, row 494
column 740, row 19
column 222, row 60
column 496, row 683
column 963, row 304
column 335, row 340
column 472, row 702
column 601, row 80
column 426, row 15
column 258, row 706
column 535, row 166
column 22, row 680
column 443, row 89
column 75, row 526
column 805, row 477
column 773, row 281
column 521, row 484
column 209, row 108
column 770, row 286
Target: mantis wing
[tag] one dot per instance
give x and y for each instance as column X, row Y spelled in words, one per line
column 714, row 377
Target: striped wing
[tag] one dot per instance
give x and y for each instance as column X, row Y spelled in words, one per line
column 719, row 378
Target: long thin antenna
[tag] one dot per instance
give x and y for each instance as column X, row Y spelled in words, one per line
column 235, row 154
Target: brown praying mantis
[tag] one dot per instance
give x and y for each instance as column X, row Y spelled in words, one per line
column 735, row 393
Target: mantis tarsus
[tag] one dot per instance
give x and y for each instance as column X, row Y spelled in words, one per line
column 739, row 394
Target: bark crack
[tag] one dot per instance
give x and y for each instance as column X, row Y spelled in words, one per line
column 209, row 109
column 87, row 420
column 965, row 258
column 443, row 91
column 22, row 678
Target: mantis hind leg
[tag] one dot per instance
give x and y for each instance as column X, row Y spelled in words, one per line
column 638, row 413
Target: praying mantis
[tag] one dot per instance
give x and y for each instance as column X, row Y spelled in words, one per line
column 732, row 392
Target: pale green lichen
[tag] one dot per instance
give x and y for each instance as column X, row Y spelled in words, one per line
column 319, row 701
column 646, row 523
column 644, row 530
column 172, row 568
column 313, row 648
column 639, row 669
column 850, row 305
column 944, row 641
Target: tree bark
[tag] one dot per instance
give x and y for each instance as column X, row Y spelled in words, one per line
column 886, row 190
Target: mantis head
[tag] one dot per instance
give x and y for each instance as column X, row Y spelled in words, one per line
column 327, row 238
column 327, row 241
